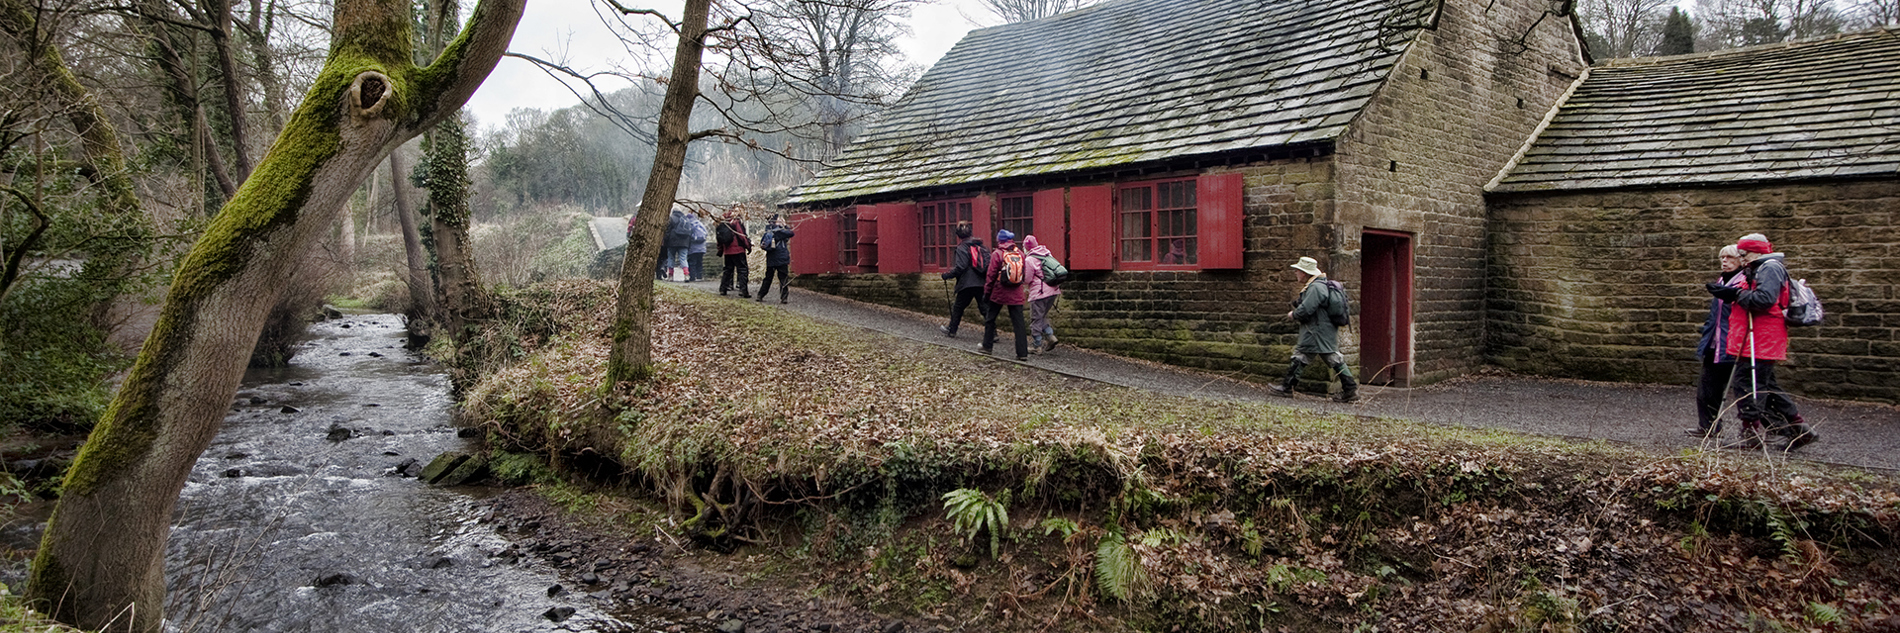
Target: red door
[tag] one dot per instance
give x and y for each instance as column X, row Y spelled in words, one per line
column 1385, row 308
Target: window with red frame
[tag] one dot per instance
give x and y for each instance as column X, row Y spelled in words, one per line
column 1017, row 214
column 1159, row 223
column 940, row 220
column 848, row 238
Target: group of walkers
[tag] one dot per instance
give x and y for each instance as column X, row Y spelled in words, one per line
column 1009, row 277
column 1745, row 335
column 683, row 252
column 735, row 244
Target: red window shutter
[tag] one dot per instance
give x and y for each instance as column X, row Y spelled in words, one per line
column 867, row 239
column 1052, row 227
column 1092, row 235
column 815, row 247
column 980, row 220
column 1223, row 221
column 899, row 239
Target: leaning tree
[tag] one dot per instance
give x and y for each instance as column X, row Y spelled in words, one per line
column 102, row 560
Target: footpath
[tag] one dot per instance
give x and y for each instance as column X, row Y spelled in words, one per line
column 1642, row 415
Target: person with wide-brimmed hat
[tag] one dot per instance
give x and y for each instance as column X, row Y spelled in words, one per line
column 1314, row 310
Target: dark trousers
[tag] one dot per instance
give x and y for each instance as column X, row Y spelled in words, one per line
column 1015, row 322
column 1761, row 400
column 735, row 264
column 962, row 302
column 696, row 262
column 1708, row 395
column 784, row 280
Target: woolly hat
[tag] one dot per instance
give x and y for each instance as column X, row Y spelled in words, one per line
column 1755, row 243
column 1004, row 235
column 1309, row 266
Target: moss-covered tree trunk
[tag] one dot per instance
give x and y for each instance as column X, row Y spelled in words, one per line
column 459, row 297
column 632, row 356
column 102, row 558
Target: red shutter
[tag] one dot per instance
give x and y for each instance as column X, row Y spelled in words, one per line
column 815, row 247
column 1223, row 220
column 867, row 239
column 1052, row 226
column 980, row 221
column 900, row 239
column 1092, row 232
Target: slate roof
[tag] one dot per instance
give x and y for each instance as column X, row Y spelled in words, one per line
column 1816, row 109
column 1129, row 81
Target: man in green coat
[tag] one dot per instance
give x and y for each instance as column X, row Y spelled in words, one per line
column 1314, row 310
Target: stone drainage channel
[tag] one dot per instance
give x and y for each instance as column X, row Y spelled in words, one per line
column 305, row 515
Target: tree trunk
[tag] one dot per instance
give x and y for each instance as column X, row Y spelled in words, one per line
column 416, row 276
column 632, row 356
column 459, row 297
column 219, row 11
column 101, row 561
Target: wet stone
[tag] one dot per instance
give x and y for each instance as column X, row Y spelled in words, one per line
column 344, row 353
column 333, row 580
column 232, row 473
column 732, row 626
column 559, row 614
column 338, row 433
column 387, row 432
column 256, row 400
column 289, row 409
column 555, row 590
column 468, row 432
column 442, row 465
column 469, row 470
column 375, row 355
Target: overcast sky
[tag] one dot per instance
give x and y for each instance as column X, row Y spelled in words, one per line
column 569, row 30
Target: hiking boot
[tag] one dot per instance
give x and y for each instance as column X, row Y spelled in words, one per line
column 1803, row 436
column 1022, row 359
column 783, row 301
column 985, row 351
column 744, row 296
column 947, row 332
column 1284, row 391
column 1751, row 437
column 1049, row 344
column 1702, row 434
column 1348, row 396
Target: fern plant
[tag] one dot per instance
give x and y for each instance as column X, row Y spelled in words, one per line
column 1118, row 568
column 973, row 512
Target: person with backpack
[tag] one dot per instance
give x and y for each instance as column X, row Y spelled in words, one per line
column 1043, row 294
column 1320, row 310
column 734, row 244
column 1010, row 273
column 777, row 244
column 970, row 262
column 679, row 236
column 1718, row 367
column 1757, row 339
column 696, row 249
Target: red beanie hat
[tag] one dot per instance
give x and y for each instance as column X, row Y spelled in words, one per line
column 1755, row 246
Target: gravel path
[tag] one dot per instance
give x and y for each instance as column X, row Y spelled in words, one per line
column 1648, row 416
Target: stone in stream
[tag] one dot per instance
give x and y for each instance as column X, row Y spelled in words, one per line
column 732, row 626
column 332, row 580
column 338, row 433
column 555, row 590
column 469, row 470
column 442, row 465
column 289, row 409
column 559, row 614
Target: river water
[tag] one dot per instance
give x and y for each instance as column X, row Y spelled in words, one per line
column 296, row 518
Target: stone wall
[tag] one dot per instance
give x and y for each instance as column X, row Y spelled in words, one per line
column 1459, row 105
column 1221, row 320
column 1608, row 285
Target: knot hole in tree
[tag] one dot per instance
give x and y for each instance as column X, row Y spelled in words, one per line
column 369, row 93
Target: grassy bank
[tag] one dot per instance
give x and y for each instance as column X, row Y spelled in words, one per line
column 821, row 456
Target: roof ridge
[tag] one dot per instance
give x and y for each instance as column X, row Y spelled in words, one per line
column 1655, row 60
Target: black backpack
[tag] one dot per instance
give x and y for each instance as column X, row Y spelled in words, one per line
column 1341, row 312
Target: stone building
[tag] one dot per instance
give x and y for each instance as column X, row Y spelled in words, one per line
column 1602, row 230
column 1180, row 154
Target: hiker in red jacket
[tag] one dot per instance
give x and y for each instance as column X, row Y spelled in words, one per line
column 1757, row 338
column 734, row 245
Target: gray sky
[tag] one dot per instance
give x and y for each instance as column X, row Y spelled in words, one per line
column 568, row 30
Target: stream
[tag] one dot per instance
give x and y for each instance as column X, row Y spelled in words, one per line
column 299, row 517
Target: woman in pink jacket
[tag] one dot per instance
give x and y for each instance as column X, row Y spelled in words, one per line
column 1042, row 298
